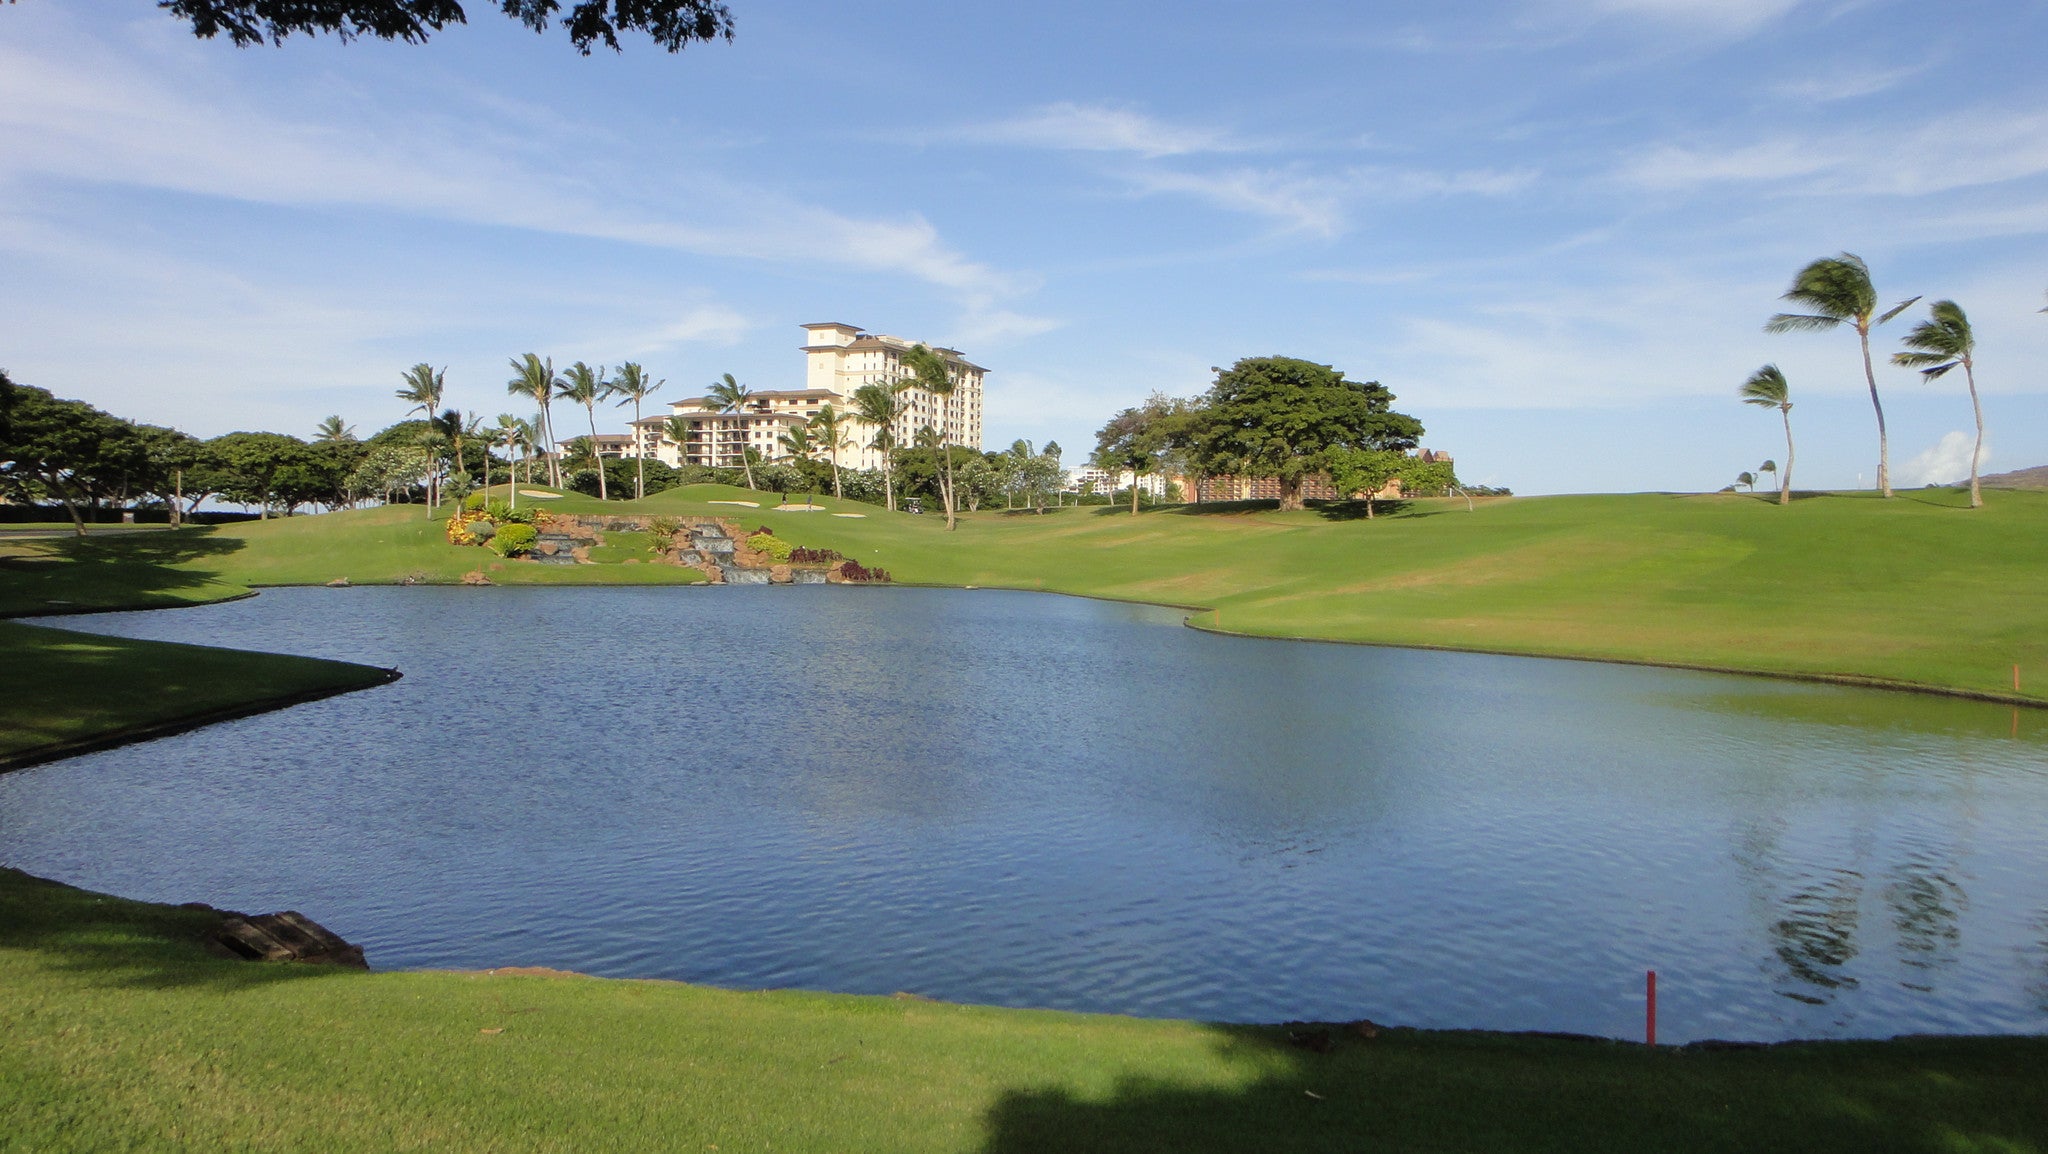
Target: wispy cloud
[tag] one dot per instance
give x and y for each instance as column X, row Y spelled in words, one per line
column 1848, row 83
column 1096, row 128
column 1301, row 200
column 1963, row 150
column 172, row 126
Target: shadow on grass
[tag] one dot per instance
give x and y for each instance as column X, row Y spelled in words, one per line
column 114, row 942
column 135, row 570
column 1413, row 1090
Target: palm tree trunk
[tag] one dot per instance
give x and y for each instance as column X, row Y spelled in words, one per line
column 1785, row 474
column 1884, row 451
column 547, row 426
column 591, row 409
column 1134, row 492
column 639, row 456
column 1976, row 491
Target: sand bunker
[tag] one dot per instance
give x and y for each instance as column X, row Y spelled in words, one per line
column 540, row 494
column 748, row 504
column 849, row 514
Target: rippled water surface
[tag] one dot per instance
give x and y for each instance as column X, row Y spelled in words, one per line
column 1032, row 800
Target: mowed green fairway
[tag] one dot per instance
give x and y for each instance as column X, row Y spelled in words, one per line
column 1916, row 590
column 122, row 1034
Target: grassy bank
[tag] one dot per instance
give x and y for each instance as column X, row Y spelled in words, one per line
column 63, row 693
column 1917, row 590
column 122, row 1033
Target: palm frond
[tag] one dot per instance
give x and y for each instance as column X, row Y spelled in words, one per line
column 1896, row 309
column 1800, row 323
column 1766, row 387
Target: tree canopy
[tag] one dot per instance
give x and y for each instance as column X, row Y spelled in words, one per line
column 1278, row 416
column 671, row 24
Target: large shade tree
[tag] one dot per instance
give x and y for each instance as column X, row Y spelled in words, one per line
column 1766, row 388
column 1276, row 417
column 1838, row 291
column 671, row 24
column 1938, row 344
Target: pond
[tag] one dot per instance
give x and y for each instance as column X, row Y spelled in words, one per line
column 1031, row 800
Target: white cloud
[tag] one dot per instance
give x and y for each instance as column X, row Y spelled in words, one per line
column 1945, row 462
column 1097, row 128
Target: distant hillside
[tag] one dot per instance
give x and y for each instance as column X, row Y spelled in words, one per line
column 2034, row 478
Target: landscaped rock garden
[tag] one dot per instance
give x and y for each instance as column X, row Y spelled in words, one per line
column 720, row 549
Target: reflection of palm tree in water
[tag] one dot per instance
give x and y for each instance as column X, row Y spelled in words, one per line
column 1927, row 910
column 1817, row 935
column 1812, row 929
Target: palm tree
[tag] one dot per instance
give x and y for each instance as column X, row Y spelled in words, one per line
column 472, row 430
column 1766, row 388
column 928, row 372
column 334, row 429
column 796, row 444
column 632, row 385
column 1940, row 343
column 731, row 396
column 677, row 429
column 830, row 426
column 422, row 389
column 511, row 433
column 536, row 379
column 585, row 385
column 879, row 406
column 1838, row 290
column 440, row 433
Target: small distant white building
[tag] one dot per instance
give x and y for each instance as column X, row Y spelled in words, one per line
column 1090, row 479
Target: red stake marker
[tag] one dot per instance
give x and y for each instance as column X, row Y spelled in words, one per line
column 1650, row 1008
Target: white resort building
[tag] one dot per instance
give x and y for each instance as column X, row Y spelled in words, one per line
column 838, row 359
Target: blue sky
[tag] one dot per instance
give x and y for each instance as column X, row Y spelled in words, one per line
column 1553, row 228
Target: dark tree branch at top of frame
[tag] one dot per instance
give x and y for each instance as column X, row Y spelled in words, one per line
column 672, row 24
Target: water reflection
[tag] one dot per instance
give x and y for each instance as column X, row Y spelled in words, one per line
column 1044, row 801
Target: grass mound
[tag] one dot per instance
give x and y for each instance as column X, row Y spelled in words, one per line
column 63, row 693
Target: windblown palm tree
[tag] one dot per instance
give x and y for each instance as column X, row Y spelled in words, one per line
column 472, row 430
column 1767, row 388
column 1838, row 290
column 730, row 397
column 585, row 385
column 928, row 372
column 536, row 379
column 879, row 407
column 830, row 427
column 1939, row 344
column 633, row 386
column 334, row 429
column 422, row 389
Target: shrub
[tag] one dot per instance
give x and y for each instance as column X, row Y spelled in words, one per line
column 664, row 530
column 803, row 556
column 774, row 546
column 469, row 527
column 514, row 539
column 855, row 571
column 474, row 503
